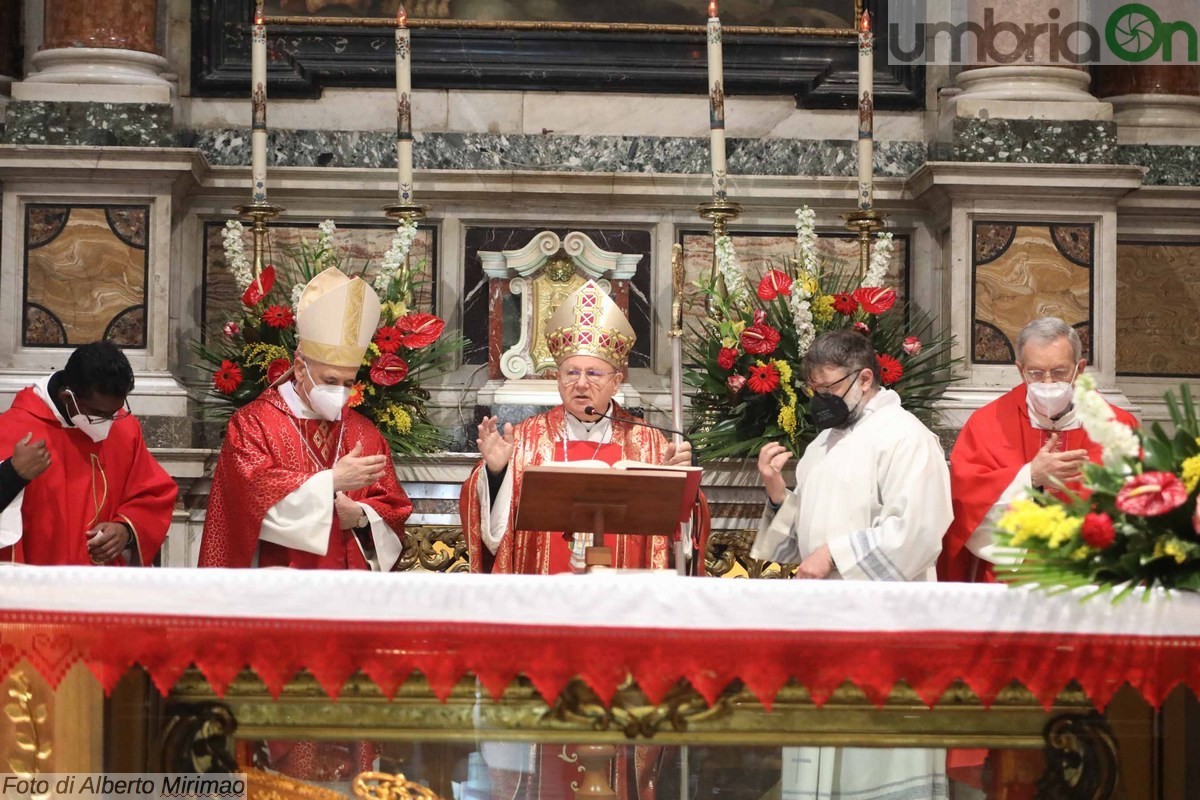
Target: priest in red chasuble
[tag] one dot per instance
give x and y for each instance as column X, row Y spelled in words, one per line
column 303, row 481
column 590, row 340
column 1027, row 438
column 78, row 485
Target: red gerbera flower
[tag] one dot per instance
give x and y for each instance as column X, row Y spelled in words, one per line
column 1098, row 531
column 228, row 377
column 875, row 299
column 277, row 368
column 279, row 317
column 420, row 330
column 760, row 339
column 764, row 379
column 889, row 369
column 356, row 395
column 844, row 304
column 1151, row 494
column 727, row 358
column 388, row 370
column 259, row 288
column 387, row 339
column 773, row 284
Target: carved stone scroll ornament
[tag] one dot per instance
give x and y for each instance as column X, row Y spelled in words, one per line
column 1081, row 759
column 632, row 713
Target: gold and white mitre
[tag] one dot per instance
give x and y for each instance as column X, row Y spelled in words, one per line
column 589, row 323
column 336, row 318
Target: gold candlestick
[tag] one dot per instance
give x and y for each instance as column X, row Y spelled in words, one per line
column 405, row 212
column 720, row 213
column 866, row 223
column 259, row 212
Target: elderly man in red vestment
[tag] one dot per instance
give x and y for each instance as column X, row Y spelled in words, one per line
column 1027, row 438
column 590, row 340
column 78, row 485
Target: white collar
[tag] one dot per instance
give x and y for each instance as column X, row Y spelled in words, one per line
column 1067, row 422
column 42, row 389
column 598, row 431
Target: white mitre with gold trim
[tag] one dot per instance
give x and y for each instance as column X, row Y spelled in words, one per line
column 336, row 318
column 590, row 323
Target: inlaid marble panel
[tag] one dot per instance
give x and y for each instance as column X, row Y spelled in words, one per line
column 85, row 275
column 360, row 247
column 475, row 291
column 1024, row 271
column 1158, row 310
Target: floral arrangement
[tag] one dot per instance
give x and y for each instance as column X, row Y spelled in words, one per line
column 745, row 356
column 1134, row 524
column 255, row 348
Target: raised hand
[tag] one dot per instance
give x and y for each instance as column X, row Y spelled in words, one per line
column 679, row 454
column 495, row 446
column 30, row 458
column 1049, row 468
column 356, row 471
column 771, row 460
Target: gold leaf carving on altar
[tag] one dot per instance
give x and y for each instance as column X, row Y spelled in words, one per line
column 550, row 288
column 26, row 749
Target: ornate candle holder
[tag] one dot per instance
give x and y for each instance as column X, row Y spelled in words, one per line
column 866, row 223
column 405, row 212
column 720, row 213
column 259, row 213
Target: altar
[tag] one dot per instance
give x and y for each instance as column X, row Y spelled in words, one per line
column 604, row 659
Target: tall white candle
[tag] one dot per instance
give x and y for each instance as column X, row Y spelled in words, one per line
column 258, row 106
column 404, row 136
column 866, row 113
column 716, row 101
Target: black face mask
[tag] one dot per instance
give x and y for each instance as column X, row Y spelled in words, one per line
column 829, row 410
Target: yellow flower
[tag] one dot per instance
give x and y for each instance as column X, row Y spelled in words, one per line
column 396, row 417
column 395, row 309
column 787, row 419
column 1191, row 473
column 1025, row 520
column 1080, row 554
column 261, row 355
column 808, row 283
column 822, row 309
column 373, row 352
column 1175, row 548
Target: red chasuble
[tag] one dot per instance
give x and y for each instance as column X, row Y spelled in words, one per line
column 541, row 440
column 268, row 454
column 997, row 441
column 116, row 480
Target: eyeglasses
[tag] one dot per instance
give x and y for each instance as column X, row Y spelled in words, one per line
column 96, row 419
column 810, row 390
column 591, row 375
column 1061, row 375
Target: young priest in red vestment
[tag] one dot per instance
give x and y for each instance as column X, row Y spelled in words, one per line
column 1027, row 438
column 303, row 481
column 590, row 339
column 78, row 485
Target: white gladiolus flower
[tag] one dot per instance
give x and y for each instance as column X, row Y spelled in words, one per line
column 806, row 239
column 735, row 281
column 881, row 258
column 396, row 258
column 1120, row 444
column 235, row 254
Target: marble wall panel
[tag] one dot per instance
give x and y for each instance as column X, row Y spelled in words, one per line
column 1158, row 310
column 360, row 247
column 85, row 275
column 475, row 291
column 1026, row 270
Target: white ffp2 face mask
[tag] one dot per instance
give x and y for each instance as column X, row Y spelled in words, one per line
column 1052, row 399
column 328, row 401
column 96, row 431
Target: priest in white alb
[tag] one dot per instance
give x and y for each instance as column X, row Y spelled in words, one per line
column 872, row 502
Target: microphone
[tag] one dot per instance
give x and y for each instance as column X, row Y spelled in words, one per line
column 590, row 411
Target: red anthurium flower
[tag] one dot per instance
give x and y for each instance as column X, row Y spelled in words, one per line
column 912, row 345
column 388, row 370
column 420, row 330
column 259, row 288
column 1151, row 494
column 890, row 370
column 735, row 383
column 773, row 284
column 356, row 395
column 277, row 368
column 1098, row 531
column 388, row 339
column 228, row 378
column 764, row 379
column 727, row 358
column 279, row 317
column 875, row 299
column 760, row 339
column 844, row 304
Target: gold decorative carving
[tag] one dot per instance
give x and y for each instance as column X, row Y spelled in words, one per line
column 728, row 556
column 29, row 715
column 262, row 785
column 548, row 293
column 434, row 548
column 632, row 713
column 560, row 270
column 1081, row 759
column 386, row 786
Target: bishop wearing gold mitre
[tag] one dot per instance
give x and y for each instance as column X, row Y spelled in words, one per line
column 590, row 340
column 302, row 480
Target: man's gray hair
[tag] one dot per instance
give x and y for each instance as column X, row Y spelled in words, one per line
column 847, row 349
column 1046, row 330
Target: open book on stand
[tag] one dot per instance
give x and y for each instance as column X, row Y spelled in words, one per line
column 691, row 475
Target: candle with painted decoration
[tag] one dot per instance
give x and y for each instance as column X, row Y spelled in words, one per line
column 258, row 106
column 404, row 136
column 866, row 113
column 716, row 101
